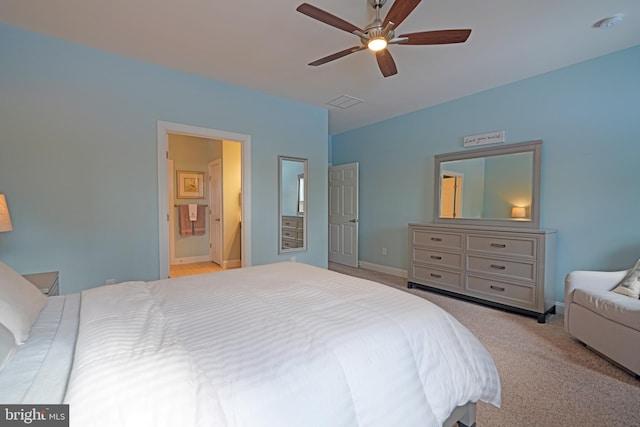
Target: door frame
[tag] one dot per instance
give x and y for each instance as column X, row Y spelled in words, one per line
column 216, row 245
column 172, row 213
column 163, row 130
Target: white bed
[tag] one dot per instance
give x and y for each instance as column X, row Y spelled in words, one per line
column 283, row 344
column 39, row 370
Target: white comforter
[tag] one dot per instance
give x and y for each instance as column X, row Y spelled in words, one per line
column 276, row 345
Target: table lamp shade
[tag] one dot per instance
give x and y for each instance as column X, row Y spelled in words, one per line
column 518, row 212
column 5, row 218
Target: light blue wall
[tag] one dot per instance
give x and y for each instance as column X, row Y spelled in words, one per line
column 78, row 160
column 588, row 116
column 289, row 192
column 508, row 183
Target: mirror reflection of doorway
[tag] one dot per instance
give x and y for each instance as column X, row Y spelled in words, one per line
column 451, row 195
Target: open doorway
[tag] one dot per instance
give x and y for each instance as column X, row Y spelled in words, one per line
column 192, row 150
column 204, row 224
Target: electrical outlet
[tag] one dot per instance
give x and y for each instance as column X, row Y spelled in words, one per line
column 384, row 251
column 110, row 281
column 293, row 259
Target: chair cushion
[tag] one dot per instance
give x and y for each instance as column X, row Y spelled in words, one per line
column 613, row 306
column 630, row 284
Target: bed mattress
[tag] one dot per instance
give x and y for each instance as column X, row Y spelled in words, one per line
column 274, row 345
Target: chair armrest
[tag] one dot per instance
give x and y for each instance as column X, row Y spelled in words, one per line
column 593, row 280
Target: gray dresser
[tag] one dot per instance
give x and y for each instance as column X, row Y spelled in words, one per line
column 510, row 268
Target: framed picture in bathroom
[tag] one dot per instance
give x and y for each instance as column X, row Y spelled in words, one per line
column 190, row 185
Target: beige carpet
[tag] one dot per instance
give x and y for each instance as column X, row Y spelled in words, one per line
column 547, row 378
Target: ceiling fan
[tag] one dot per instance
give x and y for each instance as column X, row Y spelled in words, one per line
column 381, row 33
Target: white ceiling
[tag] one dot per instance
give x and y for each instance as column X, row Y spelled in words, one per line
column 266, row 46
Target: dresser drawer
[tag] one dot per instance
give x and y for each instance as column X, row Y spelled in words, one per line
column 428, row 275
column 54, row 289
column 512, row 246
column 522, row 270
column 437, row 239
column 503, row 292
column 292, row 222
column 292, row 233
column 445, row 259
column 290, row 243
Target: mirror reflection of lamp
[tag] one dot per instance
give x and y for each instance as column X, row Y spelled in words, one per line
column 5, row 218
column 518, row 212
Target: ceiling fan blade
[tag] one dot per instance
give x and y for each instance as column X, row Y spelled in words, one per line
column 436, row 37
column 399, row 11
column 337, row 55
column 386, row 63
column 327, row 18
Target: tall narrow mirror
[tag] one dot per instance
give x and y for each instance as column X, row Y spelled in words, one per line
column 293, row 195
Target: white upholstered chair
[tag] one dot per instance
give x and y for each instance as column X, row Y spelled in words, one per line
column 607, row 322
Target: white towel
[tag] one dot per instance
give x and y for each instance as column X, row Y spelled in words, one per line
column 193, row 212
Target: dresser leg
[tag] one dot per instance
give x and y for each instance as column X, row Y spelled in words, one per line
column 410, row 285
column 541, row 317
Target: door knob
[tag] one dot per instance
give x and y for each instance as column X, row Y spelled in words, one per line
column 353, row 220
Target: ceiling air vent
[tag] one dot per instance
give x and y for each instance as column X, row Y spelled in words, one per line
column 344, row 102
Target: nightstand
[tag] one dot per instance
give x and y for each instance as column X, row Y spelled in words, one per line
column 46, row 282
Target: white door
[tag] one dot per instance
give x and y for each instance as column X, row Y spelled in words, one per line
column 215, row 211
column 343, row 214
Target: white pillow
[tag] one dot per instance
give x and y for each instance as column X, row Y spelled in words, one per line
column 630, row 284
column 20, row 303
column 8, row 346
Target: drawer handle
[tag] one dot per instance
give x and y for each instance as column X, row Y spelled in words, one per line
column 498, row 267
column 437, row 276
column 436, row 239
column 498, row 245
column 435, row 257
column 497, row 288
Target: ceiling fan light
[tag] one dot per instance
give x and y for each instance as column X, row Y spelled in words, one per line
column 377, row 44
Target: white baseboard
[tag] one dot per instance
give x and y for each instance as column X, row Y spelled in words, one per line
column 232, row 263
column 559, row 308
column 383, row 269
column 190, row 259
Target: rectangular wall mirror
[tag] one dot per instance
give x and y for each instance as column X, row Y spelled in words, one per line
column 490, row 186
column 293, row 195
